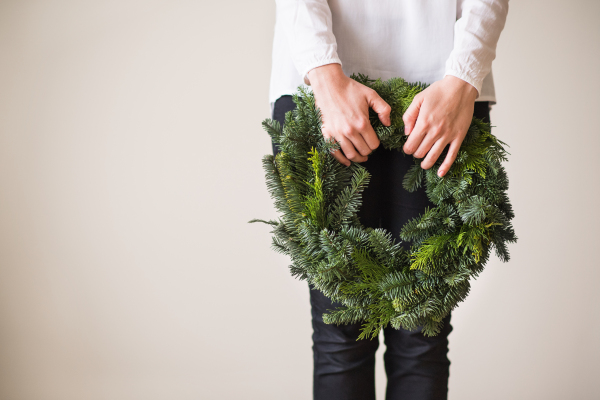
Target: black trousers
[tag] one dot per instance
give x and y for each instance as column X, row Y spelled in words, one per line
column 417, row 367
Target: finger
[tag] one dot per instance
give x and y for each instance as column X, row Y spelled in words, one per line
column 350, row 152
column 436, row 149
column 369, row 136
column 411, row 114
column 359, row 143
column 450, row 157
column 429, row 140
column 416, row 137
column 382, row 108
column 338, row 155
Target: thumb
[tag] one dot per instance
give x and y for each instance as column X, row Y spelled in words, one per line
column 382, row 108
column 411, row 114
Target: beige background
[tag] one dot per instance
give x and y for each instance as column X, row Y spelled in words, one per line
column 130, row 147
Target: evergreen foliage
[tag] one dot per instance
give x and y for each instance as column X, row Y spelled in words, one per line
column 373, row 276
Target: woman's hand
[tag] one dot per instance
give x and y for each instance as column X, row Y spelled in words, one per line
column 439, row 115
column 344, row 105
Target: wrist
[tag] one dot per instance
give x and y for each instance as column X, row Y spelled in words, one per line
column 468, row 90
column 325, row 73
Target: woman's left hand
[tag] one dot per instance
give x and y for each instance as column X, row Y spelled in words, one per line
column 438, row 116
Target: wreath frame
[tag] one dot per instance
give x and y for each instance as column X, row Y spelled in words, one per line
column 377, row 281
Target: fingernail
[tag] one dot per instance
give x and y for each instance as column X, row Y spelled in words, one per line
column 441, row 173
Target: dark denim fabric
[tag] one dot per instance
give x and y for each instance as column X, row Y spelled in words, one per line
column 417, row 367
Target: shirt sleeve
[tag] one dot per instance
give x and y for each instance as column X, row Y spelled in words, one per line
column 476, row 33
column 308, row 29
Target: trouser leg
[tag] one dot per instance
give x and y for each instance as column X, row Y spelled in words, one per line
column 417, row 366
column 344, row 367
column 282, row 105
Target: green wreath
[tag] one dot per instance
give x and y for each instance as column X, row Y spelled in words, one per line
column 373, row 276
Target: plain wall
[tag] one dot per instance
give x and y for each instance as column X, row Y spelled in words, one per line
column 130, row 161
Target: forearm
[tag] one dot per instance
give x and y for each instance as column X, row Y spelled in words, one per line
column 476, row 35
column 308, row 29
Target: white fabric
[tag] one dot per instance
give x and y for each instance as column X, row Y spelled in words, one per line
column 419, row 40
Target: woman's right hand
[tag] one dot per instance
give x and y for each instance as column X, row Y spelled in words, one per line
column 344, row 105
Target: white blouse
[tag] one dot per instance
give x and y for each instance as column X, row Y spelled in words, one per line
column 418, row 40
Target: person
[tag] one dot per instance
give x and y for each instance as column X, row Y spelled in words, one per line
column 449, row 45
